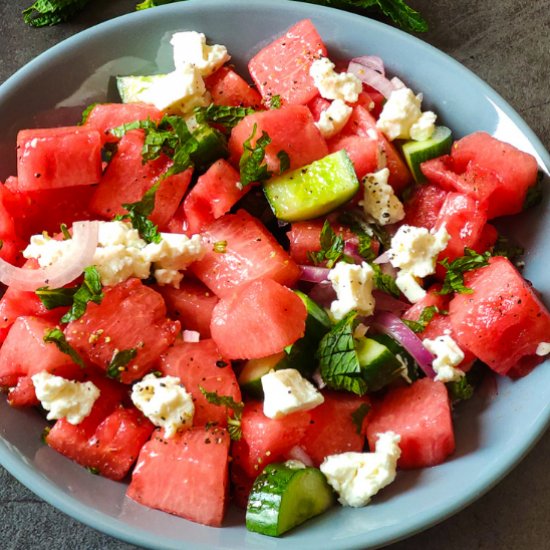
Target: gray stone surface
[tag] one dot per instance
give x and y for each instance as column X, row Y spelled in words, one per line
column 507, row 44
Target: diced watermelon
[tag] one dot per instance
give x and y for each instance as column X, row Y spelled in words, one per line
column 23, row 393
column 127, row 178
column 198, row 365
column 493, row 172
column 12, row 244
column 228, row 88
column 215, row 192
column 259, row 319
column 58, row 157
column 111, row 449
column 421, row 415
column 372, row 100
column 503, row 321
column 291, row 129
column 487, row 239
column 186, row 475
column 251, row 253
column 332, row 429
column 282, row 67
column 130, row 316
column 364, row 152
column 362, row 123
column 422, row 209
column 25, row 353
column 191, row 304
column 265, row 440
column 105, row 116
column 317, row 105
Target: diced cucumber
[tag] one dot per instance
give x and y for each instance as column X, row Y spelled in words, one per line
column 379, row 366
column 250, row 378
column 312, row 190
column 416, row 152
column 131, row 88
column 283, row 497
column 413, row 371
column 211, row 146
column 317, row 321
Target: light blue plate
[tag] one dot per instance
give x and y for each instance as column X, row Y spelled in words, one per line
column 493, row 431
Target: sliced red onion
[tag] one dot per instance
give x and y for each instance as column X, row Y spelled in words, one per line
column 373, row 78
column 79, row 255
column 371, row 62
column 298, row 453
column 351, row 250
column 318, row 379
column 323, row 294
column 314, row 274
column 390, row 324
column 383, row 258
column 191, row 336
column 385, row 302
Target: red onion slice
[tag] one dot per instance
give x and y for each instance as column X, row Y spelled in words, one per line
column 323, row 294
column 373, row 78
column 191, row 336
column 298, row 453
column 79, row 255
column 385, row 302
column 371, row 62
column 314, row 274
column 383, row 258
column 351, row 250
column 390, row 324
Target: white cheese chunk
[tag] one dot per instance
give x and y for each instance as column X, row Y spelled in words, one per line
column 447, row 356
column 333, row 85
column 190, row 48
column 543, row 349
column 353, row 285
column 165, row 402
column 410, row 287
column 415, row 249
column 121, row 253
column 380, row 202
column 286, row 391
column 334, row 118
column 65, row 398
column 402, row 117
column 357, row 477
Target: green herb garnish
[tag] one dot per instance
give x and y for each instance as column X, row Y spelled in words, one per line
column 384, row 282
column 86, row 113
column 56, row 336
column 284, row 161
column 275, row 102
column 44, row 13
column 358, row 416
column 233, row 422
column 454, row 278
column 66, row 235
column 220, row 247
column 119, row 362
column 426, row 316
column 332, row 247
column 225, row 115
column 251, row 165
column 89, row 291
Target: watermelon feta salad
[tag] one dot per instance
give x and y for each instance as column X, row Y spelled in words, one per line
column 272, row 294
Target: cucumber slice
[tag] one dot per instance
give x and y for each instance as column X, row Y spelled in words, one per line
column 413, row 371
column 211, row 146
column 250, row 379
column 130, row 88
column 379, row 366
column 317, row 322
column 416, row 152
column 312, row 190
column 283, row 497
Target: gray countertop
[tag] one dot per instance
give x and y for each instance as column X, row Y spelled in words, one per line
column 506, row 43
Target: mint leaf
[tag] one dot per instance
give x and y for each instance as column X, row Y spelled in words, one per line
column 275, row 102
column 89, row 291
column 233, row 422
column 65, row 231
column 119, row 362
column 284, row 161
column 153, row 3
column 56, row 336
column 358, row 416
column 534, row 193
column 44, row 13
column 225, row 115
column 251, row 164
column 55, row 297
column 384, row 282
column 426, row 316
column 504, row 247
column 86, row 113
column 338, row 361
column 403, row 15
column 332, row 247
column 454, row 278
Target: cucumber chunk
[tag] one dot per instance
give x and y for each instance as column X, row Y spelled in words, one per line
column 312, row 190
column 211, row 146
column 413, row 371
column 416, row 152
column 379, row 366
column 130, row 88
column 250, row 378
column 284, row 496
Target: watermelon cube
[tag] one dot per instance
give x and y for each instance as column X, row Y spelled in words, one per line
column 228, row 88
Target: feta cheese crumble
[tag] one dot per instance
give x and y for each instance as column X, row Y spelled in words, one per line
column 190, row 48
column 447, row 356
column 357, row 477
column 353, row 285
column 121, row 253
column 65, row 398
column 402, row 118
column 286, row 391
column 379, row 200
column 165, row 402
column 333, row 85
column 410, row 287
column 543, row 349
column 334, row 118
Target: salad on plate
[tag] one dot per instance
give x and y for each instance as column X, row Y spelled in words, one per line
column 270, row 294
